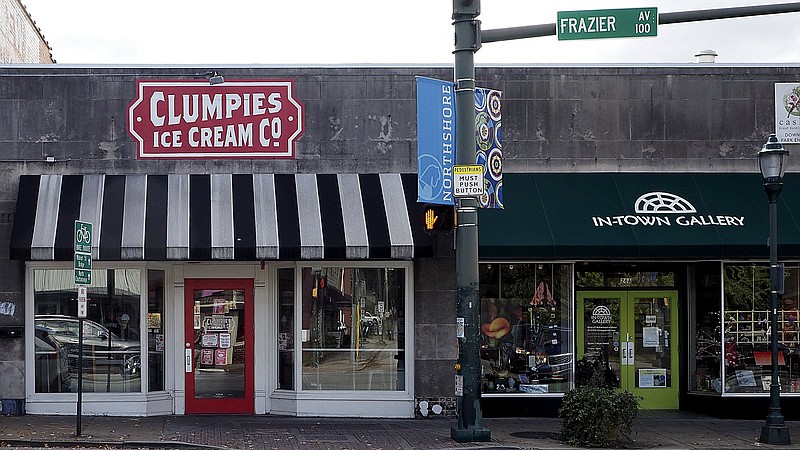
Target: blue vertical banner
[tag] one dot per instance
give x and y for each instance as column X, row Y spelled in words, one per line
column 488, row 145
column 436, row 134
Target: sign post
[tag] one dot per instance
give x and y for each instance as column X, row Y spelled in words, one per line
column 83, row 276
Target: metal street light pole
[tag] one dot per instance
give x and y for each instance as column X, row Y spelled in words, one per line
column 467, row 41
column 771, row 161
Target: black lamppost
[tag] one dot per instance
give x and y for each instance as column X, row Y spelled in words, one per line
column 772, row 162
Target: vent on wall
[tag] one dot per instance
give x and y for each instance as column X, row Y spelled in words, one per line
column 706, row 56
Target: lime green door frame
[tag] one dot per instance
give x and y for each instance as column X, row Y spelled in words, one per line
column 636, row 330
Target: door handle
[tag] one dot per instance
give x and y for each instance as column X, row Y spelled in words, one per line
column 188, row 353
column 624, row 353
column 627, row 353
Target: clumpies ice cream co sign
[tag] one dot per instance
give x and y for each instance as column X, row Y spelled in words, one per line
column 236, row 119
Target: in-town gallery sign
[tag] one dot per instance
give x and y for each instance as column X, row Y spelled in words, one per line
column 655, row 209
column 236, row 119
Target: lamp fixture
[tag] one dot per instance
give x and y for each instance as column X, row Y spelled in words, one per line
column 50, row 159
column 214, row 77
column 772, row 159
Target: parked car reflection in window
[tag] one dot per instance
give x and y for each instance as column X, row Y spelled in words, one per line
column 103, row 350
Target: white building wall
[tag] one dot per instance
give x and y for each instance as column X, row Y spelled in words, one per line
column 20, row 39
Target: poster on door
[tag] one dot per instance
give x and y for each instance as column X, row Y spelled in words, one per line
column 221, row 357
column 224, row 340
column 210, row 340
column 650, row 337
column 220, row 306
column 652, row 378
column 207, row 356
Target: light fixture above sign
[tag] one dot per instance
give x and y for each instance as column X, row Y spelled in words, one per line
column 214, row 77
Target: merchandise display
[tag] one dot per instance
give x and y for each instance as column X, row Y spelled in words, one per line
column 525, row 342
column 732, row 347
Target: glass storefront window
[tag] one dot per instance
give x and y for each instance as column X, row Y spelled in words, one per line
column 155, row 330
column 111, row 341
column 526, row 337
column 352, row 328
column 746, row 330
column 705, row 325
column 286, row 329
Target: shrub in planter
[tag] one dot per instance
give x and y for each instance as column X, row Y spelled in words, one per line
column 595, row 414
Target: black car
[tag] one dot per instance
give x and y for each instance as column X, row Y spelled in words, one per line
column 52, row 363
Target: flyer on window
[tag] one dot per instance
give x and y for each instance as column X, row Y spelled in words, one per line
column 220, row 357
column 652, row 378
column 210, row 340
column 224, row 340
column 207, row 356
column 650, row 337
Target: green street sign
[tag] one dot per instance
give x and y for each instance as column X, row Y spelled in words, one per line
column 83, row 237
column 83, row 252
column 607, row 23
column 83, row 261
column 83, row 276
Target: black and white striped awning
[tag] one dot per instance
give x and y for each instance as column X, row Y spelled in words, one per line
column 221, row 217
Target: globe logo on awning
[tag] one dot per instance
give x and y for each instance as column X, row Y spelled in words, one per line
column 664, row 203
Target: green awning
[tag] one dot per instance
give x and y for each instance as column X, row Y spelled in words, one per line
column 662, row 216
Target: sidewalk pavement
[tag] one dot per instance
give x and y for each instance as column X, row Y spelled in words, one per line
column 652, row 429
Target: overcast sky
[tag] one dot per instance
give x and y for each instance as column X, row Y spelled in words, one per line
column 203, row 32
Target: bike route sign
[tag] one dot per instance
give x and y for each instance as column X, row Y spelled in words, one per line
column 83, row 252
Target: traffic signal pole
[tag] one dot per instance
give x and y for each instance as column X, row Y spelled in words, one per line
column 468, row 395
column 542, row 30
column 468, row 39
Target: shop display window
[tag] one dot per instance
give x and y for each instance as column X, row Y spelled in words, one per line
column 286, row 328
column 526, row 337
column 111, row 332
column 747, row 356
column 155, row 330
column 353, row 328
column 705, row 325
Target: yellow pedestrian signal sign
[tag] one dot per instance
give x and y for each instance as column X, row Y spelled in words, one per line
column 438, row 218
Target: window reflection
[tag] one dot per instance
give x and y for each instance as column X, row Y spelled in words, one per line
column 705, row 326
column 155, row 330
column 111, row 341
column 525, row 339
column 286, row 329
column 731, row 347
column 352, row 328
column 747, row 356
column 219, row 343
